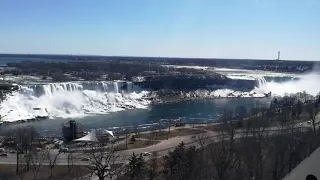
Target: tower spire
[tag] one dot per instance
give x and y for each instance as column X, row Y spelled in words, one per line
column 278, row 55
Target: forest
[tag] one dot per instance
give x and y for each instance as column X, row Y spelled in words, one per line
column 262, row 143
column 154, row 76
column 259, row 143
column 293, row 66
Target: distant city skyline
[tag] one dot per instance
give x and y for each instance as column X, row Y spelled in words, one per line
column 237, row 29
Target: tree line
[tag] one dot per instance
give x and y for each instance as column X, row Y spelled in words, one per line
column 92, row 70
column 264, row 142
column 260, row 143
column 253, row 64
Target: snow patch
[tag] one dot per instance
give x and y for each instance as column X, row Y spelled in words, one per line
column 69, row 100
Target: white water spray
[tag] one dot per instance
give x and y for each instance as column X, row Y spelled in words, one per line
column 71, row 100
column 261, row 87
column 309, row 83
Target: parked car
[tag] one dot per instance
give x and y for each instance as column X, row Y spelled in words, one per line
column 4, row 155
column 85, row 159
column 146, row 154
column 63, row 150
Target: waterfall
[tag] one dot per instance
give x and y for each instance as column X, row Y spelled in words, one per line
column 262, row 86
column 116, row 87
column 49, row 89
column 262, row 83
column 71, row 99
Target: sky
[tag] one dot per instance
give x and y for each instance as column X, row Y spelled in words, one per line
column 253, row 29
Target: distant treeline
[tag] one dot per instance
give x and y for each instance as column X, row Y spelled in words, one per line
column 251, row 64
column 154, row 76
column 59, row 71
column 266, row 65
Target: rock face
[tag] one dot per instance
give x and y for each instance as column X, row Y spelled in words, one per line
column 171, row 96
column 189, row 83
column 169, row 89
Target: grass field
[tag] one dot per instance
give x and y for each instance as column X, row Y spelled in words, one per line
column 137, row 144
column 162, row 135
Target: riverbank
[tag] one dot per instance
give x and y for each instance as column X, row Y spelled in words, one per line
column 194, row 111
column 179, row 96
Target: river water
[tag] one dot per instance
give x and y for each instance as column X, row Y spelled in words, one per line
column 198, row 111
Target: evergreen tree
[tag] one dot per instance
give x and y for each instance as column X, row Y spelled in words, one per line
column 299, row 108
column 136, row 167
column 180, row 163
column 152, row 170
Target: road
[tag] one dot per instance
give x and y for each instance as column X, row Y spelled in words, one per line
column 161, row 148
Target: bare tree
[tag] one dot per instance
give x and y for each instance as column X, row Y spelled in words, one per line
column 126, row 133
column 23, row 138
column 37, row 159
column 101, row 160
column 229, row 125
column 136, row 129
column 52, row 159
column 255, row 157
column 203, row 162
column 202, row 140
column 304, row 96
column 152, row 170
column 299, row 107
column 223, row 157
column 169, row 127
column 70, row 159
column 313, row 111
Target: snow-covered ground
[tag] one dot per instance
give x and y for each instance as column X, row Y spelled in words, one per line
column 76, row 99
column 189, row 67
column 223, row 93
column 276, row 82
column 68, row 100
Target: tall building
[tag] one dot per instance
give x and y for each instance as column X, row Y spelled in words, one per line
column 278, row 55
column 70, row 130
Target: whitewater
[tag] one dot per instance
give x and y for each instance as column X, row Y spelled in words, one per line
column 310, row 83
column 71, row 100
column 79, row 99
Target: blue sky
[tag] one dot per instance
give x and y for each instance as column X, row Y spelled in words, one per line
column 173, row 28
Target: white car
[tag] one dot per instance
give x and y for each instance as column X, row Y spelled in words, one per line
column 146, row 154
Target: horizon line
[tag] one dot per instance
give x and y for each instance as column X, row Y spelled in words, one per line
column 162, row 57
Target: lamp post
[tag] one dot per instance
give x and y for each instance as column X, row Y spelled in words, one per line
column 18, row 157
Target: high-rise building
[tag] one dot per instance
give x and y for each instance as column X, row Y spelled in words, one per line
column 278, row 55
column 70, row 130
